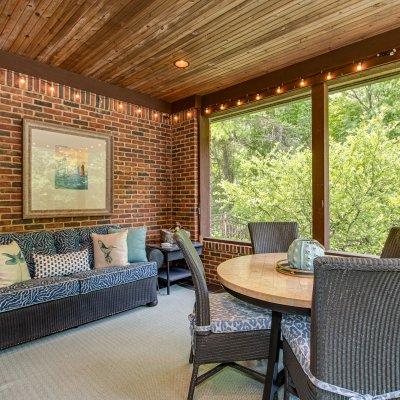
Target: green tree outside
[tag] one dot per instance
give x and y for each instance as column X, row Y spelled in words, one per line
column 261, row 167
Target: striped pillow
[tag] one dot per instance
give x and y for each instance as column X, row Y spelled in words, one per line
column 61, row 264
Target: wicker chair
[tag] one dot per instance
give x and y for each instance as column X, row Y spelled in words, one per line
column 224, row 329
column 272, row 237
column 352, row 340
column 392, row 244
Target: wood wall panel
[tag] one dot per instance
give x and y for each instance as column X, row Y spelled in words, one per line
column 133, row 44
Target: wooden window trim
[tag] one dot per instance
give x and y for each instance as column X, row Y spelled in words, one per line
column 320, row 161
column 320, row 164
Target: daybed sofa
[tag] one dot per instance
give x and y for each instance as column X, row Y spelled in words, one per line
column 39, row 307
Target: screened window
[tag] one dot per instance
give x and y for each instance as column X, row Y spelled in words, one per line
column 261, row 169
column 364, row 166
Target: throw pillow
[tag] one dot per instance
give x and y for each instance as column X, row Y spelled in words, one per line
column 136, row 241
column 47, row 266
column 13, row 268
column 110, row 250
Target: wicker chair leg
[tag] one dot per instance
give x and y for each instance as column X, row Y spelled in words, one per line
column 193, row 381
column 286, row 395
column 191, row 356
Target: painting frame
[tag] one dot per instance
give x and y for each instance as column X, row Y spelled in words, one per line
column 27, row 211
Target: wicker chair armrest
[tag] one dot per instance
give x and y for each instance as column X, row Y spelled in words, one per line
column 155, row 255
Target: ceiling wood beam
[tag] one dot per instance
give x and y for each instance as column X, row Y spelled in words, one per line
column 27, row 66
column 324, row 62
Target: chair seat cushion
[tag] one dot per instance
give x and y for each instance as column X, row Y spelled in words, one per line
column 296, row 329
column 35, row 291
column 98, row 279
column 229, row 314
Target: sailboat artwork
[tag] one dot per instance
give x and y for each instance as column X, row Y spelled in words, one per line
column 71, row 168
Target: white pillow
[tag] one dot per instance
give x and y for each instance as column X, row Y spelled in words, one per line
column 13, row 268
column 61, row 264
column 110, row 250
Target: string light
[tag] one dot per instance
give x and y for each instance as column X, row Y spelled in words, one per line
column 77, row 96
column 138, row 110
column 189, row 114
column 175, row 118
column 355, row 66
column 120, row 105
column 52, row 89
column 155, row 115
column 22, row 80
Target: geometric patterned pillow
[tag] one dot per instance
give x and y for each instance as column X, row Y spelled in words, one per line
column 61, row 264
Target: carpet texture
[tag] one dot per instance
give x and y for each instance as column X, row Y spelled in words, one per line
column 137, row 355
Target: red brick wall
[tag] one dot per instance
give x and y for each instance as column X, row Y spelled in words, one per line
column 185, row 181
column 155, row 161
column 217, row 251
column 142, row 153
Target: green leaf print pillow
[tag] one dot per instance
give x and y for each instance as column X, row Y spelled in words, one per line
column 13, row 268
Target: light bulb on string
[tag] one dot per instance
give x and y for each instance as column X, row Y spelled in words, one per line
column 302, row 82
column 120, row 105
column 222, row 107
column 328, row 76
column 189, row 114
column 239, row 102
column 77, row 96
column 278, row 90
column 207, row 110
column 52, row 89
column 258, row 96
column 22, row 80
column 359, row 66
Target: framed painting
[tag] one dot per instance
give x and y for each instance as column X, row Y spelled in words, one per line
column 66, row 172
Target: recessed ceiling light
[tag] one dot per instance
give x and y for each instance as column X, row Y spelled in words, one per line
column 181, row 64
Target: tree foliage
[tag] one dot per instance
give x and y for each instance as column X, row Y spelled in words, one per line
column 261, row 167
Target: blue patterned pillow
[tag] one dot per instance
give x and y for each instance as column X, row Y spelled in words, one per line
column 67, row 241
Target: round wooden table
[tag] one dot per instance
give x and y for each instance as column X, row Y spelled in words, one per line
column 254, row 278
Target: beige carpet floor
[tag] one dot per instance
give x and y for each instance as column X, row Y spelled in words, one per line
column 137, row 355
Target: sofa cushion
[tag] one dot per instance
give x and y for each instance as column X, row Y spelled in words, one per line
column 13, row 268
column 85, row 238
column 61, row 264
column 35, row 291
column 296, row 329
column 67, row 241
column 229, row 314
column 136, row 241
column 31, row 242
column 110, row 250
column 107, row 277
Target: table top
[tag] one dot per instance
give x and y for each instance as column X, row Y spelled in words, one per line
column 174, row 247
column 255, row 276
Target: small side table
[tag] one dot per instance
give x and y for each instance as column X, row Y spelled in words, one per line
column 173, row 274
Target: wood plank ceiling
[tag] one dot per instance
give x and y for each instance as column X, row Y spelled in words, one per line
column 133, row 43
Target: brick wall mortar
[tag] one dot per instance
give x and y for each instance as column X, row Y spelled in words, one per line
column 185, row 175
column 156, row 173
column 216, row 252
column 142, row 153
